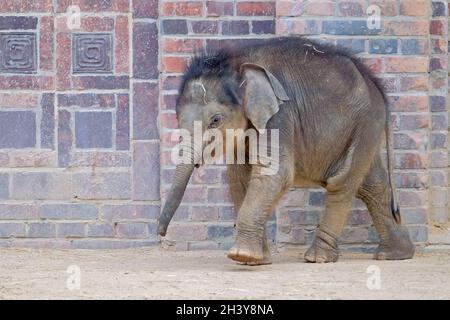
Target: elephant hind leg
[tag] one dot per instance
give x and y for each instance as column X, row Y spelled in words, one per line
column 395, row 243
column 341, row 188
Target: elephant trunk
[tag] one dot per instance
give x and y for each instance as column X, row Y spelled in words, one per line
column 183, row 173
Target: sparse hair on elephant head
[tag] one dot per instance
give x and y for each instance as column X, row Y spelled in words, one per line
column 222, row 92
column 217, row 78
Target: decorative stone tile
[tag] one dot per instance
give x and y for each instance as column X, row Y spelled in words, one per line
column 92, row 53
column 93, row 130
column 17, row 129
column 17, row 52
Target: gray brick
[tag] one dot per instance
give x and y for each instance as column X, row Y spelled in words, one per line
column 355, row 45
column 4, row 186
column 110, row 244
column 48, row 120
column 40, row 185
column 383, row 46
column 93, row 129
column 129, row 212
column 123, row 122
column 220, row 231
column 87, row 100
column 134, row 230
column 146, row 171
column 65, row 138
column 41, row 243
column 68, row 211
column 14, row 23
column 145, row 50
column 41, row 230
column 12, row 229
column 100, row 230
column 347, row 27
column 304, row 217
column 145, row 111
column 18, row 212
column 316, row 198
column 203, row 245
column 174, row 27
column 70, row 230
column 418, row 234
column 102, row 185
column 17, row 129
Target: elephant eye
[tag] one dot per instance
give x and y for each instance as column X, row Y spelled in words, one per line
column 215, row 120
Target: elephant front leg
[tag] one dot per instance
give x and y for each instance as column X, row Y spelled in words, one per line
column 251, row 245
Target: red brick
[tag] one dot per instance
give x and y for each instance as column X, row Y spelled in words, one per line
column 182, row 8
column 63, row 61
column 88, row 24
column 319, row 8
column 96, row 6
column 413, row 122
column 410, row 103
column 19, row 100
column 168, row 102
column 410, row 161
column 171, row 82
column 219, row 8
column 351, row 8
column 437, row 28
column 205, row 213
column 374, row 64
column 145, row 9
column 122, row 45
column 388, row 7
column 181, row 45
column 406, row 64
column 46, row 41
column 255, row 8
column 414, row 83
column 289, row 8
column 174, row 64
column 26, row 83
column 169, row 120
column 439, row 46
column 414, row 7
column 19, row 6
column 21, row 159
column 405, row 28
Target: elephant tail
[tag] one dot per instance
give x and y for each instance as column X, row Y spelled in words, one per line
column 390, row 166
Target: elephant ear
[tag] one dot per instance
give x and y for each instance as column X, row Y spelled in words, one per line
column 263, row 94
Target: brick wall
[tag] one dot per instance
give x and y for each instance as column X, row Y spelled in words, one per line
column 87, row 109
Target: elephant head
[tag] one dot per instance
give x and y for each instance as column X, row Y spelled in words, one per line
column 221, row 93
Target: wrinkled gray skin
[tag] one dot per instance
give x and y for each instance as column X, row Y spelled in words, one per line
column 332, row 117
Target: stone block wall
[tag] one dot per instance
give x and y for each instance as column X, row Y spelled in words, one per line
column 87, row 97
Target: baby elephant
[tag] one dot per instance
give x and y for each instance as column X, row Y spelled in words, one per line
column 328, row 115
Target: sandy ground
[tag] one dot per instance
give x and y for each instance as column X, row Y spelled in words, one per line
column 153, row 273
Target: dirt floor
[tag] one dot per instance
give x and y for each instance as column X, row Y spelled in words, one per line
column 153, row 273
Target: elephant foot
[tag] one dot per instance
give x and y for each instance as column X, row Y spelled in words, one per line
column 248, row 253
column 267, row 259
column 399, row 246
column 324, row 249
